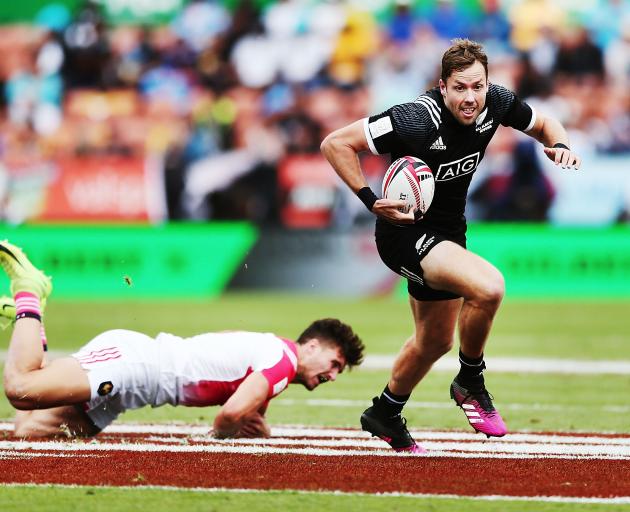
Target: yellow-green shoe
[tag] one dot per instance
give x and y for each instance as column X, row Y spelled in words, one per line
column 7, row 312
column 24, row 276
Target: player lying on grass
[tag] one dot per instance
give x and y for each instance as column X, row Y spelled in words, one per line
column 119, row 369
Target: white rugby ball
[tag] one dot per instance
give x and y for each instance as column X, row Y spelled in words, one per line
column 410, row 179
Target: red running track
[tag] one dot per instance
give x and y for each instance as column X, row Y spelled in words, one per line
column 303, row 462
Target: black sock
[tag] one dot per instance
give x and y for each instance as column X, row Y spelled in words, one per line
column 471, row 369
column 390, row 405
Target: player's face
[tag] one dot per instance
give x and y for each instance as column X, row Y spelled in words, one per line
column 320, row 363
column 464, row 93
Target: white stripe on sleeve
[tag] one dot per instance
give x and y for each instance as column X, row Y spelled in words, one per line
column 533, row 120
column 368, row 136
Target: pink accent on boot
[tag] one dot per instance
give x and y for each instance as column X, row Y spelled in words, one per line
column 486, row 420
column 414, row 448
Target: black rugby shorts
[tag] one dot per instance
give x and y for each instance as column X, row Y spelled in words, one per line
column 403, row 247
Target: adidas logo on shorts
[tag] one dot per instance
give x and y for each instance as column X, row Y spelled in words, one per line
column 438, row 144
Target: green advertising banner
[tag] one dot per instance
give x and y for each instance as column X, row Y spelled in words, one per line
column 192, row 260
column 540, row 261
column 151, row 12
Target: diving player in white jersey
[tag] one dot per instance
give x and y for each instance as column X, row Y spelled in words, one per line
column 119, row 369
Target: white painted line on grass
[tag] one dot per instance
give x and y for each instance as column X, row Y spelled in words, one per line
column 447, row 404
column 517, row 365
column 477, row 447
column 54, row 448
column 495, row 364
column 302, row 431
column 337, row 442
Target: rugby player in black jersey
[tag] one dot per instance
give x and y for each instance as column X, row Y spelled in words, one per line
column 449, row 127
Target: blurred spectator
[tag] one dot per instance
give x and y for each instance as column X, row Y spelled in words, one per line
column 357, row 43
column 33, row 94
column 200, row 22
column 617, row 57
column 50, row 57
column 87, row 49
column 530, row 82
column 542, row 54
column 174, row 181
column 134, row 54
column 53, row 17
column 523, row 194
column 255, row 59
column 284, row 19
column 492, row 25
column 448, row 20
column 604, row 20
column 402, row 24
column 529, row 18
column 166, row 87
column 395, row 76
column 578, row 57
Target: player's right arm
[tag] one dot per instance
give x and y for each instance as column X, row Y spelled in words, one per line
column 341, row 148
column 245, row 403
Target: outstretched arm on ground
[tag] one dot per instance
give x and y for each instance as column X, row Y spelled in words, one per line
column 550, row 132
column 242, row 406
column 341, row 149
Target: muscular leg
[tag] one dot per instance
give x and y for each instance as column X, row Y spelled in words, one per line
column 451, row 267
column 434, row 331
column 30, row 386
column 30, row 383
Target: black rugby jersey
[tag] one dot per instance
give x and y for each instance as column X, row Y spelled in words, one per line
column 427, row 130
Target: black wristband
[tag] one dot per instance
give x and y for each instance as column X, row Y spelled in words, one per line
column 560, row 145
column 367, row 197
column 28, row 314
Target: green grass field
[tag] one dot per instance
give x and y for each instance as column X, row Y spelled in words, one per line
column 95, row 499
column 542, row 402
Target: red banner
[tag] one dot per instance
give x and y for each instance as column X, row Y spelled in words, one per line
column 307, row 187
column 99, row 189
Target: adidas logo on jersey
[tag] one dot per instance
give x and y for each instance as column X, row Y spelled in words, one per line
column 438, row 144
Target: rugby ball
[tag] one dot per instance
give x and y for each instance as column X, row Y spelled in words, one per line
column 410, row 179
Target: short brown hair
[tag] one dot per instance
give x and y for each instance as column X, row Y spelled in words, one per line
column 462, row 54
column 335, row 332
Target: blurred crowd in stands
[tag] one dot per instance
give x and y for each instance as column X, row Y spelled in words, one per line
column 223, row 94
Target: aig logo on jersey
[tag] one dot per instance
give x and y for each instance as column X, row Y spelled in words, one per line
column 457, row 168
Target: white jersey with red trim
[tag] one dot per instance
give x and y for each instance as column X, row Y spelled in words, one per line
column 129, row 370
column 208, row 368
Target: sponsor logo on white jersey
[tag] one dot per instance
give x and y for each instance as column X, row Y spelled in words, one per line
column 457, row 168
column 438, row 144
